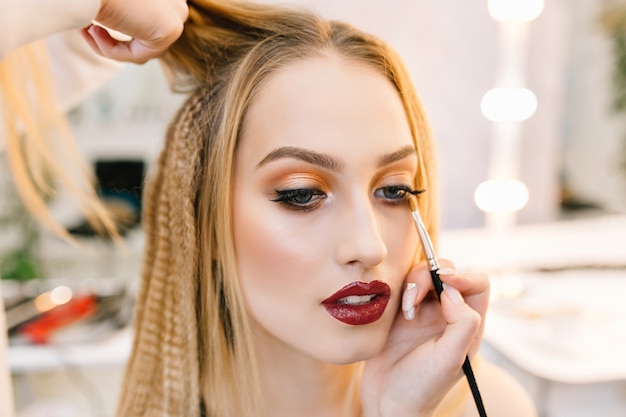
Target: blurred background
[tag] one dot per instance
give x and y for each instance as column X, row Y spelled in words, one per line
column 526, row 101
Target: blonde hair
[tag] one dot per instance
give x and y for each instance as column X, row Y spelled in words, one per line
column 192, row 335
column 40, row 143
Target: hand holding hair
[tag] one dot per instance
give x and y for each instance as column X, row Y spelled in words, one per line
column 153, row 26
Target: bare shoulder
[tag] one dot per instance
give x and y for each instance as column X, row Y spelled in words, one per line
column 501, row 393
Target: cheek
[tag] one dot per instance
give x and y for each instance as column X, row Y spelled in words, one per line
column 410, row 244
column 275, row 264
column 403, row 246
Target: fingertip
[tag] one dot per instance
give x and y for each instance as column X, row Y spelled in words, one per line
column 97, row 31
column 99, row 38
column 88, row 37
column 446, row 271
column 468, row 283
column 453, row 294
column 106, row 45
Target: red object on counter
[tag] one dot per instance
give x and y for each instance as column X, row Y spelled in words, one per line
column 40, row 329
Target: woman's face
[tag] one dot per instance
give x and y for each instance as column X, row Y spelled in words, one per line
column 322, row 228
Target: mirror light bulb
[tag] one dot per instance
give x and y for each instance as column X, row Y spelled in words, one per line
column 498, row 196
column 508, row 104
column 515, row 10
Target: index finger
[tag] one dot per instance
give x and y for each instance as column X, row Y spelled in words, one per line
column 134, row 50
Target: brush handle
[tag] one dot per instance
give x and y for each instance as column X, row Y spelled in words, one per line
column 467, row 366
column 434, row 276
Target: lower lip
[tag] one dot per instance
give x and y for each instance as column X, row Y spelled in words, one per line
column 357, row 315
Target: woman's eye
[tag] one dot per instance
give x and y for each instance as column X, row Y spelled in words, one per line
column 394, row 194
column 300, row 198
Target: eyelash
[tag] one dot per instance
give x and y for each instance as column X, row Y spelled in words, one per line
column 404, row 191
column 289, row 197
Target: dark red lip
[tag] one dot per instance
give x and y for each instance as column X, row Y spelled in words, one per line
column 359, row 314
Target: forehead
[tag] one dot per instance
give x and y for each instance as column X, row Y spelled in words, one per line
column 325, row 101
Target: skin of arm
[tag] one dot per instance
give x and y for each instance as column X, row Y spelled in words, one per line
column 153, row 25
column 23, row 21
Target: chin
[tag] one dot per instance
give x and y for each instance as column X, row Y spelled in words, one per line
column 355, row 348
column 358, row 355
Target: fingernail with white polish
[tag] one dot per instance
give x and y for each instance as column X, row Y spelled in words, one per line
column 408, row 298
column 453, row 294
column 410, row 315
column 446, row 271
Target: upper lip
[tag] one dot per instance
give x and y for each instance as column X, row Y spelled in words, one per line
column 359, row 288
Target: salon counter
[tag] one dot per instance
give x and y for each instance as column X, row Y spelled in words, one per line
column 110, row 351
column 568, row 326
column 557, row 317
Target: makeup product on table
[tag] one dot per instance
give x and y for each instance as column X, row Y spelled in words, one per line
column 433, row 264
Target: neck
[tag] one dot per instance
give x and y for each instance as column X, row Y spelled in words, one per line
column 296, row 384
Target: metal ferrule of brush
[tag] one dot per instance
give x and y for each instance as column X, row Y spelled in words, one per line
column 427, row 243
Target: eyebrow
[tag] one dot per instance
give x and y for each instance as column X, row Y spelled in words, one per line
column 322, row 160
column 328, row 162
column 390, row 158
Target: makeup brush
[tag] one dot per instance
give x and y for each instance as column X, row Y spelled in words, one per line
column 433, row 264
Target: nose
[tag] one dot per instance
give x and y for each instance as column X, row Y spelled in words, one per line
column 360, row 241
